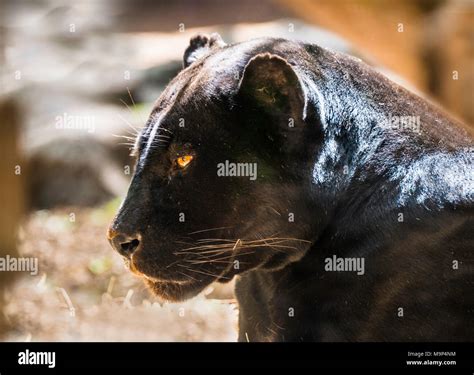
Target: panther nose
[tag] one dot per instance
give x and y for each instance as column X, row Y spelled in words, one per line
column 124, row 244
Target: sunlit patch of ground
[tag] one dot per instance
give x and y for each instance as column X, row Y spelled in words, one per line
column 83, row 292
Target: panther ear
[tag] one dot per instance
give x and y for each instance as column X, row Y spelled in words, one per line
column 274, row 85
column 199, row 45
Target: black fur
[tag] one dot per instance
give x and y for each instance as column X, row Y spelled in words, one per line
column 314, row 121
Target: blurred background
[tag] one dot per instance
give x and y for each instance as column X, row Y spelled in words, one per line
column 76, row 76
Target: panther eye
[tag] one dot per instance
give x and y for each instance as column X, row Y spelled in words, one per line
column 184, row 160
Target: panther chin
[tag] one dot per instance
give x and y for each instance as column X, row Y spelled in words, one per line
column 175, row 291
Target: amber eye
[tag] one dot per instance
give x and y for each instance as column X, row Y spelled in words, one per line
column 184, row 160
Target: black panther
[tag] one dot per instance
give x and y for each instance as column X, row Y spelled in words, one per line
column 359, row 223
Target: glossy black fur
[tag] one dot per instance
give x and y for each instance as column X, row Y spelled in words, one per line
column 400, row 198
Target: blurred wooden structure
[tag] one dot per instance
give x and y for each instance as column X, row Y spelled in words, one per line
column 449, row 55
column 11, row 191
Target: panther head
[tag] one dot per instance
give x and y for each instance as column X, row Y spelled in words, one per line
column 221, row 183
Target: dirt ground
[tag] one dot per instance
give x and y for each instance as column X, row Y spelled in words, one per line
column 83, row 292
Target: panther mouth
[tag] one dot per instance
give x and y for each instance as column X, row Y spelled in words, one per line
column 130, row 265
column 171, row 290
